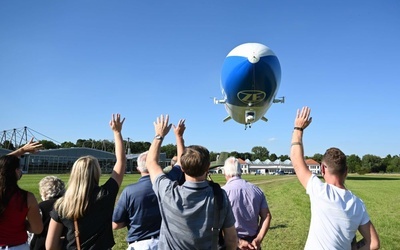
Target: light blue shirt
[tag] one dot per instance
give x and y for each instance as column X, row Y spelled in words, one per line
column 246, row 200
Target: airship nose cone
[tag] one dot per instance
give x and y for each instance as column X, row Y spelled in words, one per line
column 253, row 59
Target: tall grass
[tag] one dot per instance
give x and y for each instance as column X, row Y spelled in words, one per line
column 290, row 207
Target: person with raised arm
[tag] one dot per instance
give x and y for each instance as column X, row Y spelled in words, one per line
column 336, row 213
column 19, row 210
column 194, row 213
column 138, row 209
column 86, row 208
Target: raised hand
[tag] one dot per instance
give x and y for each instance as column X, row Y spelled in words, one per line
column 179, row 129
column 161, row 125
column 303, row 118
column 116, row 122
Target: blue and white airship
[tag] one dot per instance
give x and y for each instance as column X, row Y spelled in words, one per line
column 250, row 79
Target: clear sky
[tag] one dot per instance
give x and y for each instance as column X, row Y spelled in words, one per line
column 66, row 66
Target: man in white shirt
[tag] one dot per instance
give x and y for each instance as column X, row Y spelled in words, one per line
column 336, row 213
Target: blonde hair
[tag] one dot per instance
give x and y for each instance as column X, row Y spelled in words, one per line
column 51, row 187
column 85, row 176
column 232, row 167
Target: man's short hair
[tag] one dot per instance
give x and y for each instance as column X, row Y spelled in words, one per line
column 335, row 161
column 195, row 160
column 232, row 167
column 141, row 162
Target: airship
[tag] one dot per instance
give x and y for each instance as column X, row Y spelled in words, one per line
column 250, row 80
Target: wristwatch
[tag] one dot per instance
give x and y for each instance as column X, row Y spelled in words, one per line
column 158, row 137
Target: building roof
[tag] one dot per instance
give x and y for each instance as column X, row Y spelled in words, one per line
column 75, row 152
column 311, row 162
column 4, row 151
column 241, row 161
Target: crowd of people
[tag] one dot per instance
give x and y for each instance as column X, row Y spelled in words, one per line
column 175, row 209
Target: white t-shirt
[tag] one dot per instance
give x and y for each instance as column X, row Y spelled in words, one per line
column 336, row 215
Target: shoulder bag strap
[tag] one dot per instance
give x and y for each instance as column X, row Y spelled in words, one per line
column 217, row 206
column 78, row 242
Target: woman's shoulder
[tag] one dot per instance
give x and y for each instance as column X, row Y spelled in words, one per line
column 31, row 198
column 109, row 187
column 110, row 183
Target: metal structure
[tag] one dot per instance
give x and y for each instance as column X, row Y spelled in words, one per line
column 16, row 137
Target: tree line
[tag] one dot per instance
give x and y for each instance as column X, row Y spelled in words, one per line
column 366, row 164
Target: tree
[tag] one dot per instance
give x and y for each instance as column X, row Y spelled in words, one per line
column 284, row 157
column 273, row 157
column 98, row 144
column 371, row 163
column 81, row 143
column 213, row 156
column 139, row 147
column 317, row 157
column 67, row 144
column 169, row 150
column 260, row 153
column 245, row 156
column 48, row 144
column 8, row 145
column 235, row 154
column 108, row 146
column 353, row 163
column 385, row 163
column 394, row 165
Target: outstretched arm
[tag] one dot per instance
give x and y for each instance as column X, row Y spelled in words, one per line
column 120, row 165
column 301, row 122
column 161, row 128
column 30, row 147
column 180, row 143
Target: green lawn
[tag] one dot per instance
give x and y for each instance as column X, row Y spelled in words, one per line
column 290, row 208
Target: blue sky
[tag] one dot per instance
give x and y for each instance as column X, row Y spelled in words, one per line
column 66, row 66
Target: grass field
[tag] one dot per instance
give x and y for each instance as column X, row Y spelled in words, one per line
column 290, row 208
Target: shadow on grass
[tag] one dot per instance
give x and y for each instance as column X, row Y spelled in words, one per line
column 277, row 226
column 370, row 178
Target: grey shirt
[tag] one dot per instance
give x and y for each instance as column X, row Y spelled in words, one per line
column 187, row 213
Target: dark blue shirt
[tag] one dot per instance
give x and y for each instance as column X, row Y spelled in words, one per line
column 138, row 208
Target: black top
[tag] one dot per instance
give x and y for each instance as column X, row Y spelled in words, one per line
column 39, row 240
column 95, row 229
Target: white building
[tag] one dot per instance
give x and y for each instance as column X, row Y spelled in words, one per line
column 271, row 167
